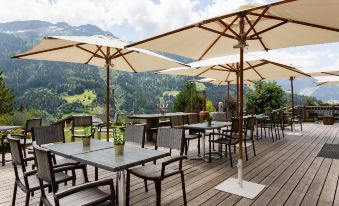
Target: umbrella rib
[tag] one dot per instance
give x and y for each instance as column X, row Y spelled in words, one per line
column 217, row 32
column 217, row 39
column 229, row 73
column 297, row 22
column 288, row 68
column 95, row 53
column 103, row 53
column 228, row 68
column 255, row 71
column 204, row 71
column 269, row 28
column 257, row 65
column 228, row 27
column 329, row 73
column 120, row 54
column 255, row 32
column 86, row 50
column 257, row 20
column 129, row 64
column 47, row 50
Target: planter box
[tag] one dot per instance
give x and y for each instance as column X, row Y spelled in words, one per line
column 328, row 120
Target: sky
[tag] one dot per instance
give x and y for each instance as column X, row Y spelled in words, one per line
column 133, row 20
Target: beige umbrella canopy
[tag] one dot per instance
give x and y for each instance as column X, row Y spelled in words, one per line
column 101, row 51
column 327, row 80
column 280, row 24
column 226, row 69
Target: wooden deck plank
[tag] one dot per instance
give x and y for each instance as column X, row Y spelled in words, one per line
column 289, row 167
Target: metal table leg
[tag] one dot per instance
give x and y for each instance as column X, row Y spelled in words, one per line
column 121, row 182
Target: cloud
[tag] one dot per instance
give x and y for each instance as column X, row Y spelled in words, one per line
column 145, row 18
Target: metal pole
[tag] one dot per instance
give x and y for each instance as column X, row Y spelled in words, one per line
column 191, row 82
column 228, row 94
column 237, row 105
column 108, row 62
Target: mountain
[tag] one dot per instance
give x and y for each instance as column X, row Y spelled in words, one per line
column 56, row 89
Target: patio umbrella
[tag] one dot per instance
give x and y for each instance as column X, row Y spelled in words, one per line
column 101, row 51
column 224, row 83
column 327, row 80
column 280, row 24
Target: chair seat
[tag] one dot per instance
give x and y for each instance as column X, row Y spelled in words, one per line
column 192, row 136
column 66, row 161
column 33, row 181
column 92, row 196
column 151, row 172
column 28, row 141
column 226, row 141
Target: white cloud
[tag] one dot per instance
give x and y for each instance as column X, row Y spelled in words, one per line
column 145, row 17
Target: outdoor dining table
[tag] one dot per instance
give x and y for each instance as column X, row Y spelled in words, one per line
column 203, row 127
column 101, row 155
column 5, row 128
column 152, row 120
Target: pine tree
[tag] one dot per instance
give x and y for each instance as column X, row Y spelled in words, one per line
column 6, row 97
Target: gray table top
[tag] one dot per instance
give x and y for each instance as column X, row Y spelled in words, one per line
column 73, row 148
column 8, row 128
column 152, row 116
column 204, row 125
column 107, row 160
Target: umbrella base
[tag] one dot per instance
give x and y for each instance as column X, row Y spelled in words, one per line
column 294, row 133
column 249, row 190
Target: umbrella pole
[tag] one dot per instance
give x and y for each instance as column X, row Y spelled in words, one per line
column 292, row 99
column 108, row 62
column 228, row 94
column 237, row 105
column 242, row 44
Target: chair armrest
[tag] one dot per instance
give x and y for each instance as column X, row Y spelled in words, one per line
column 170, row 161
column 29, row 173
column 63, row 168
column 84, row 186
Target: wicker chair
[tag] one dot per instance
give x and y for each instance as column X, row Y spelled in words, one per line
column 30, row 124
column 297, row 117
column 136, row 134
column 53, row 134
column 78, row 124
column 177, row 121
column 228, row 138
column 84, row 194
column 170, row 138
column 27, row 182
column 249, row 128
column 102, row 128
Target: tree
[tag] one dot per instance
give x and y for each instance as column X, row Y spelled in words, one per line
column 265, row 95
column 6, row 97
column 183, row 100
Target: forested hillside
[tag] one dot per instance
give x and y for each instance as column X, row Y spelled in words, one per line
column 55, row 89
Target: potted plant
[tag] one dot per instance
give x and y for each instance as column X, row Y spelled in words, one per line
column 209, row 120
column 119, row 140
column 86, row 140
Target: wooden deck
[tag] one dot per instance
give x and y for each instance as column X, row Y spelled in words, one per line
column 289, row 168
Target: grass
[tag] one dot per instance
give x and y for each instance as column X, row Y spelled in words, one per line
column 85, row 98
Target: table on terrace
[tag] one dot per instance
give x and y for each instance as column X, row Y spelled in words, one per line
column 204, row 126
column 152, row 120
column 5, row 128
column 100, row 155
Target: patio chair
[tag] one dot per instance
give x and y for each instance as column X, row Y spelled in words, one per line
column 249, row 134
column 102, row 128
column 194, row 119
column 177, row 121
column 228, row 138
column 54, row 134
column 172, row 138
column 297, row 117
column 79, row 123
column 24, row 140
column 84, row 194
column 136, row 134
column 3, row 147
column 270, row 124
column 281, row 115
column 26, row 180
